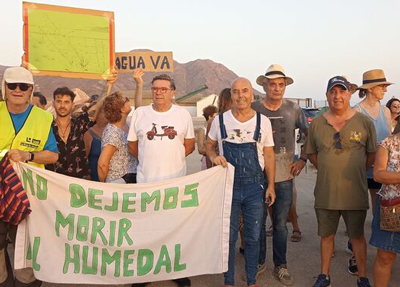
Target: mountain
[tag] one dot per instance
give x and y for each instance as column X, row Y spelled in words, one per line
column 188, row 78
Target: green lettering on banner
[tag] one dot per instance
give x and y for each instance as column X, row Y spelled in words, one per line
column 29, row 252
column 191, row 189
column 177, row 265
column 60, row 220
column 127, row 261
column 111, row 241
column 107, row 259
column 147, row 256
column 97, row 228
column 146, row 199
column 163, row 260
column 82, row 228
column 126, row 202
column 28, row 178
column 41, row 189
column 78, row 196
column 75, row 259
column 171, row 198
column 114, row 205
column 92, row 198
column 124, row 226
column 36, row 246
column 86, row 269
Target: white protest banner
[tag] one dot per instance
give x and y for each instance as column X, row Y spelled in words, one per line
column 82, row 231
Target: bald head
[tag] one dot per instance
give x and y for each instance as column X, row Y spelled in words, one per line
column 241, row 81
column 242, row 94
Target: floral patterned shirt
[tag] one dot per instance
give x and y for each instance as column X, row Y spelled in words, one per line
column 72, row 160
column 122, row 161
column 392, row 145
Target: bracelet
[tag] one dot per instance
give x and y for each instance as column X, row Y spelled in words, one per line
column 31, row 156
column 303, row 159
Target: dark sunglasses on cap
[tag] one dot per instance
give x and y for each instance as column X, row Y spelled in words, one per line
column 22, row 86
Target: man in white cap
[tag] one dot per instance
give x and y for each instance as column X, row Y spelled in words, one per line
column 285, row 117
column 341, row 144
column 27, row 136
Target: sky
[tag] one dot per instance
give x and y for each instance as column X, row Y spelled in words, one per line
column 313, row 40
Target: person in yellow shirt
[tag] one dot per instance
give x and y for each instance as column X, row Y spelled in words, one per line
column 27, row 136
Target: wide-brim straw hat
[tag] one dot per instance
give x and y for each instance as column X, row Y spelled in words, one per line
column 273, row 72
column 373, row 78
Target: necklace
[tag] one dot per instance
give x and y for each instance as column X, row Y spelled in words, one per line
column 63, row 134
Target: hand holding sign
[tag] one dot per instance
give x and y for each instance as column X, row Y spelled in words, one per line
column 137, row 76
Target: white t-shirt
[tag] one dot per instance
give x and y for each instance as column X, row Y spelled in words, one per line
column 239, row 132
column 161, row 136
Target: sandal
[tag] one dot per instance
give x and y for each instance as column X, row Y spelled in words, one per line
column 296, row 236
column 270, row 231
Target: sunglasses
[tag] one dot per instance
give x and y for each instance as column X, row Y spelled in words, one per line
column 338, row 143
column 22, row 86
column 163, row 90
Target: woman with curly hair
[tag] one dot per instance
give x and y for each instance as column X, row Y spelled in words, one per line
column 116, row 164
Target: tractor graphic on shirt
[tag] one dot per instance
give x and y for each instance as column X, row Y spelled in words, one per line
column 168, row 131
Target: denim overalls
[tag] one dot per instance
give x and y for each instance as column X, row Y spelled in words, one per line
column 248, row 196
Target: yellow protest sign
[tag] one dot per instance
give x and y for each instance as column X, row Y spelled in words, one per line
column 68, row 42
column 146, row 60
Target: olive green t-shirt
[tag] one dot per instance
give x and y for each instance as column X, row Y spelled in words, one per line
column 341, row 177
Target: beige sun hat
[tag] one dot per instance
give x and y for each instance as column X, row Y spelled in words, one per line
column 273, row 72
column 14, row 75
column 373, row 78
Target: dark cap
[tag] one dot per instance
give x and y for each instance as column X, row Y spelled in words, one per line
column 338, row 81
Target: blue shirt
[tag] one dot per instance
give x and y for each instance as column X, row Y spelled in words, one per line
column 19, row 120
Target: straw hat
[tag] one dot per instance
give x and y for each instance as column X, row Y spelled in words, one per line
column 273, row 72
column 373, row 78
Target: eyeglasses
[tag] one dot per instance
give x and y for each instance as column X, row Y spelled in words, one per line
column 22, row 86
column 163, row 90
column 338, row 143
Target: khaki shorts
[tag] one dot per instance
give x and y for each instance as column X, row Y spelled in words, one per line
column 328, row 221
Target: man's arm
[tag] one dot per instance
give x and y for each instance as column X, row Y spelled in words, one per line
column 134, row 148
column 189, row 146
column 211, row 152
column 137, row 76
column 313, row 159
column 370, row 159
column 41, row 157
column 269, row 162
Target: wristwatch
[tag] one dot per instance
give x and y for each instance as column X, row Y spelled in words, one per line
column 303, row 159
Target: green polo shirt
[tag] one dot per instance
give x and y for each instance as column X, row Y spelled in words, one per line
column 341, row 178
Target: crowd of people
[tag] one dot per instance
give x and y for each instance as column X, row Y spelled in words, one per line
column 354, row 149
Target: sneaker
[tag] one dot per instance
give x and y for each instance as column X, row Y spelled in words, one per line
column 352, row 267
column 282, row 274
column 261, row 269
column 363, row 282
column 183, row 282
column 349, row 247
column 322, row 281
